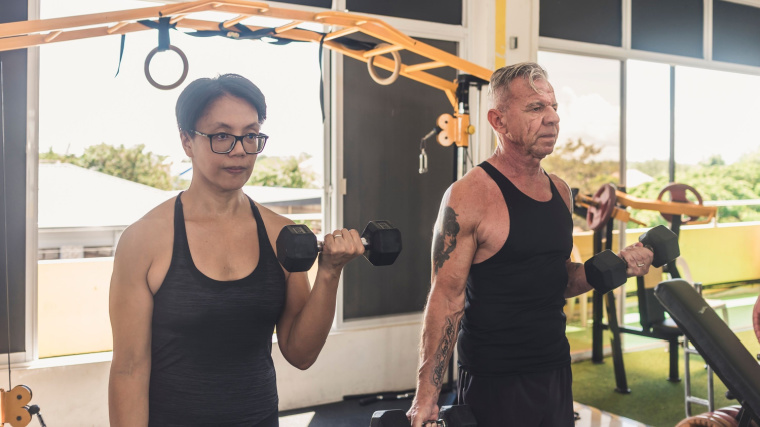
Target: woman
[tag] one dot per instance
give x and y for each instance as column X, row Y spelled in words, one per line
column 197, row 289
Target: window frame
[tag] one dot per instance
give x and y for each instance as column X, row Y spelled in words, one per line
column 334, row 184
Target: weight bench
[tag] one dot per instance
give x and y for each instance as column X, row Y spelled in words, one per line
column 717, row 344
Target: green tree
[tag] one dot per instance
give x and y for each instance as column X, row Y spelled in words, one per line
column 285, row 171
column 133, row 164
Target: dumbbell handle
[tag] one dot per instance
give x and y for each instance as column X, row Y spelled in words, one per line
column 321, row 244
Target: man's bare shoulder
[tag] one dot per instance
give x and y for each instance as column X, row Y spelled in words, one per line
column 468, row 199
column 472, row 190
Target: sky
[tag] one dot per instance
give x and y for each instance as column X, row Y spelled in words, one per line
column 83, row 104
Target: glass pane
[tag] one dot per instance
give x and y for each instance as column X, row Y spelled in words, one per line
column 647, row 135
column 588, row 93
column 735, row 33
column 591, row 21
column 668, row 26
column 716, row 147
column 443, row 11
column 90, row 120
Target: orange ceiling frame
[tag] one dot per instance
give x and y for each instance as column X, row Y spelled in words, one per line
column 18, row 35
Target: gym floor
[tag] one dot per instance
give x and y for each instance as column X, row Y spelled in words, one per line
column 350, row 413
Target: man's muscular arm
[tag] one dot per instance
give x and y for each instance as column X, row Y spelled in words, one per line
column 454, row 244
column 576, row 283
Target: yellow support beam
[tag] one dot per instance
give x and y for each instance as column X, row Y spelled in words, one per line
column 500, row 34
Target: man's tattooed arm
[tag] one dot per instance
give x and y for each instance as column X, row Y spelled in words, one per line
column 445, row 240
column 448, row 338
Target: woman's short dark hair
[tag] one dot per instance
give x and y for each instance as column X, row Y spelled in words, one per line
column 199, row 94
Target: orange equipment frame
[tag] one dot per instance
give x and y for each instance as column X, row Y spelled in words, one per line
column 17, row 35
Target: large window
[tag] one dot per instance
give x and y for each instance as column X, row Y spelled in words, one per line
column 717, row 150
column 110, row 151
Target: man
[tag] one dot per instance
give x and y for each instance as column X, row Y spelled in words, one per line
column 501, row 271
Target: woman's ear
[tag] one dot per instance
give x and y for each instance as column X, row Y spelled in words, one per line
column 187, row 143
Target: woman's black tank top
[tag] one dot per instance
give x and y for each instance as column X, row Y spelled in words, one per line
column 212, row 340
column 513, row 320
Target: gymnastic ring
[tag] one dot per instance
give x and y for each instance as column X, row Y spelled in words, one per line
column 181, row 78
column 396, row 70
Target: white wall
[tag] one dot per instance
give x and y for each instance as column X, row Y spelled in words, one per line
column 355, row 362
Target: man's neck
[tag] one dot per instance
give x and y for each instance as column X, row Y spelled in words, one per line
column 514, row 164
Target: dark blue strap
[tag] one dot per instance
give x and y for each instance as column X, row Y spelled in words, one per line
column 163, row 26
column 121, row 54
column 321, row 79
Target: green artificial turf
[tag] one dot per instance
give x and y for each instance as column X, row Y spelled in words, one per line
column 653, row 399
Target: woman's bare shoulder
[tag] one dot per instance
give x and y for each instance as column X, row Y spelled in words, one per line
column 151, row 231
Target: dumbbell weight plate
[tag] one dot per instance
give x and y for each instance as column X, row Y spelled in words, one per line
column 296, row 247
column 678, row 195
column 384, row 242
column 458, row 416
column 389, row 418
column 605, row 200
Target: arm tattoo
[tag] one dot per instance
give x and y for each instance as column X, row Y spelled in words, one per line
column 446, row 239
column 444, row 348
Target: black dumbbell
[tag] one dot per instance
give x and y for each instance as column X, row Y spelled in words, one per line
column 606, row 271
column 389, row 418
column 297, row 246
column 450, row 416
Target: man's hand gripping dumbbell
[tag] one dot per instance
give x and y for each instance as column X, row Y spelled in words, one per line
column 606, row 271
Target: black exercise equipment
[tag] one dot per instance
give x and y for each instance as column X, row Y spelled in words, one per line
column 606, row 271
column 654, row 323
column 450, row 416
column 297, row 246
column 717, row 344
column 389, row 418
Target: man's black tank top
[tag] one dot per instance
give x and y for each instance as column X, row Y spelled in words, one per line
column 513, row 320
column 212, row 340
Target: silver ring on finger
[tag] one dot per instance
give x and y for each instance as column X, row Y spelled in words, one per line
column 337, row 235
column 639, row 264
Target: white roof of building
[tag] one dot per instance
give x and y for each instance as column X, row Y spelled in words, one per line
column 72, row 197
column 634, row 177
column 280, row 196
